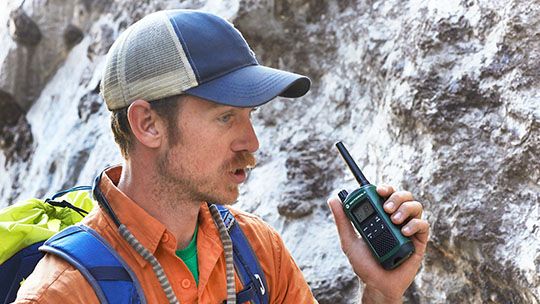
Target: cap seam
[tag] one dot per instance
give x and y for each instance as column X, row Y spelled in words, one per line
column 239, row 38
column 227, row 72
column 262, row 85
column 186, row 64
column 256, row 86
column 186, row 50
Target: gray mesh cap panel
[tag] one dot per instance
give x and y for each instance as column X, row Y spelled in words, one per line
column 146, row 62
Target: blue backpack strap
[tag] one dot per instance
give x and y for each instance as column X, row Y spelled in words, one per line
column 110, row 277
column 246, row 263
column 16, row 269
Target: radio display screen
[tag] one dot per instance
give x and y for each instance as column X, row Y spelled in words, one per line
column 363, row 210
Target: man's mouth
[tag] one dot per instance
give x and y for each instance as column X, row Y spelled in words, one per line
column 238, row 175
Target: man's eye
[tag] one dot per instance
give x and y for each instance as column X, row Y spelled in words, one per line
column 225, row 118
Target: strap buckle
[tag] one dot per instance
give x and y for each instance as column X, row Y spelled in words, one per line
column 228, row 221
column 261, row 285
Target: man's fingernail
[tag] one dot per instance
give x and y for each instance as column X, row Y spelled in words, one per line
column 406, row 229
column 389, row 205
column 397, row 216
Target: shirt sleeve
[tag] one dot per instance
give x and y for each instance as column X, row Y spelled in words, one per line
column 55, row 281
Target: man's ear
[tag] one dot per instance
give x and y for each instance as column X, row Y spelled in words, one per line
column 145, row 124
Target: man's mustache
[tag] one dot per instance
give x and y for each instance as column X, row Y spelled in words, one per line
column 241, row 160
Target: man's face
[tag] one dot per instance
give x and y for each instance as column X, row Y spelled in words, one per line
column 215, row 146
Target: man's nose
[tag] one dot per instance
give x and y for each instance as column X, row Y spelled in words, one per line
column 248, row 141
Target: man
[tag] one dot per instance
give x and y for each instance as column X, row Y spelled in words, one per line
column 181, row 86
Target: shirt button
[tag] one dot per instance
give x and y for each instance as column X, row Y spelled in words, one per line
column 186, row 283
column 165, row 237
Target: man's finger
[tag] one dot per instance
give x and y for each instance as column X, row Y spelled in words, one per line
column 417, row 228
column 346, row 232
column 396, row 199
column 411, row 209
column 385, row 190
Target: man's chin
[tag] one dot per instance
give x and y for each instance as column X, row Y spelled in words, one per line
column 227, row 203
column 223, row 202
column 228, row 199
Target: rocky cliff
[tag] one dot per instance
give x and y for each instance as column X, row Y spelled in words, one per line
column 441, row 98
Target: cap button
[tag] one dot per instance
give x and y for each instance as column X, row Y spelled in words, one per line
column 186, row 283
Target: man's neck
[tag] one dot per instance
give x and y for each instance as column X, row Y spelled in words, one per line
column 174, row 211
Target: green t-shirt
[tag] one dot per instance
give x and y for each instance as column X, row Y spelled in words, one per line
column 189, row 256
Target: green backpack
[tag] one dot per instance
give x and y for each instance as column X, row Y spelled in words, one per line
column 26, row 225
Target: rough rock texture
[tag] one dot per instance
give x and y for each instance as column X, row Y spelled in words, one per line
column 41, row 35
column 437, row 97
column 23, row 29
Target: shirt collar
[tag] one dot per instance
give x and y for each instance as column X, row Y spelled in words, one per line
column 142, row 225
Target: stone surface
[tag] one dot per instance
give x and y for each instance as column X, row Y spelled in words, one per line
column 41, row 36
column 10, row 110
column 441, row 98
column 89, row 104
column 72, row 35
column 16, row 140
column 23, row 29
column 308, row 176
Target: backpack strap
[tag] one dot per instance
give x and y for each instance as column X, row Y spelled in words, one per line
column 16, row 269
column 110, row 277
column 246, row 263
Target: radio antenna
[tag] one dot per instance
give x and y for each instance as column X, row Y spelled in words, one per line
column 352, row 165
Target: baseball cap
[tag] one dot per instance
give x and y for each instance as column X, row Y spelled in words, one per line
column 191, row 52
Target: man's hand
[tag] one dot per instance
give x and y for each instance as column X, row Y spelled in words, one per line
column 384, row 286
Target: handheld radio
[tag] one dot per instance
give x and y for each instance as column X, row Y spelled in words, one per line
column 364, row 208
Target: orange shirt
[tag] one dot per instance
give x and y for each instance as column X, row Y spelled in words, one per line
column 56, row 281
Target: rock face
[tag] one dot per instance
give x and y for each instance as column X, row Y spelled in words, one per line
column 23, row 29
column 441, row 98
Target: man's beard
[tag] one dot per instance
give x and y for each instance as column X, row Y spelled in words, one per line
column 184, row 184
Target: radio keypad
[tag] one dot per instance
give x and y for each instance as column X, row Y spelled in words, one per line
column 373, row 227
column 378, row 235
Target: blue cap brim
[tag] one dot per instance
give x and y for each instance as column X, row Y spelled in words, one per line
column 252, row 86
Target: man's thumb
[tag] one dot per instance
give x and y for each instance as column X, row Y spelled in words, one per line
column 346, row 232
